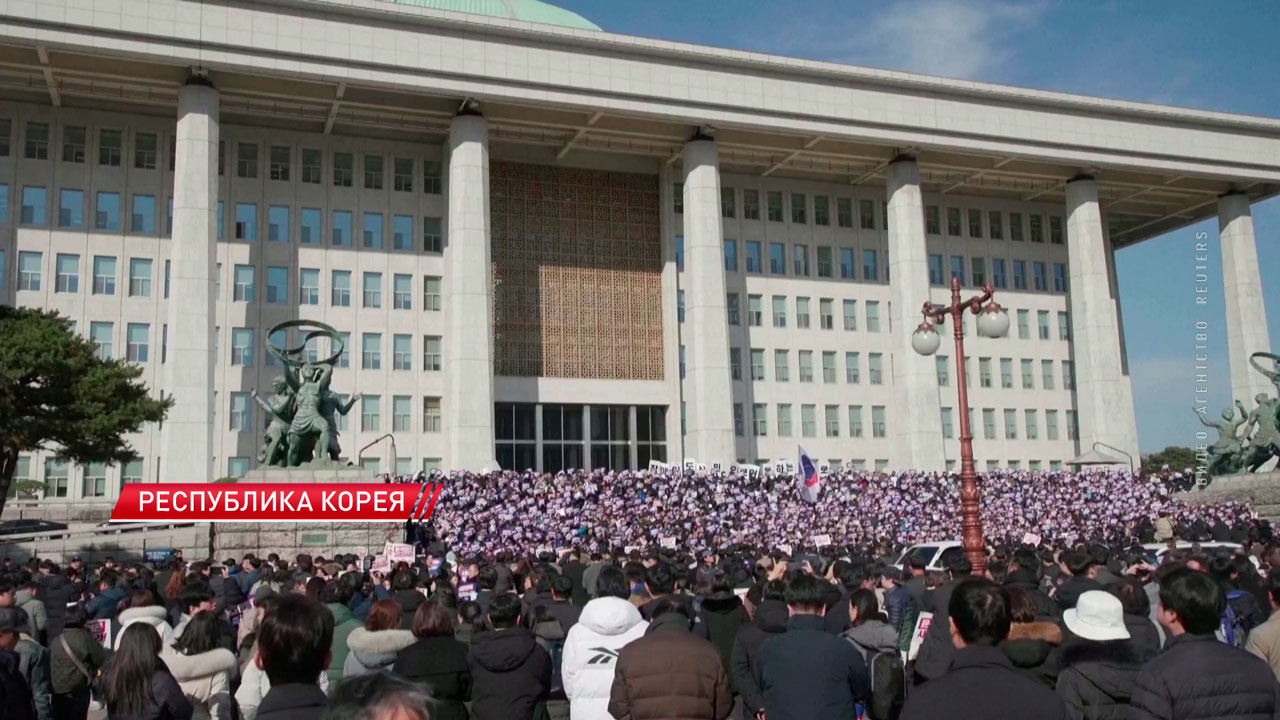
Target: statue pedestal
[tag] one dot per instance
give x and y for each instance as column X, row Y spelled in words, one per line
column 315, row 539
column 313, row 474
column 1261, row 489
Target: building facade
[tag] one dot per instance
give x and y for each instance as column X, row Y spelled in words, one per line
column 550, row 247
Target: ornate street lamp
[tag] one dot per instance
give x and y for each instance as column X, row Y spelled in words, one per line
column 993, row 322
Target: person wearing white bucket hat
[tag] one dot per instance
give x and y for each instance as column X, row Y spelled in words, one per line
column 1097, row 616
column 1099, row 666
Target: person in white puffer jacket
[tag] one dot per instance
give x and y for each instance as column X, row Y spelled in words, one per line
column 591, row 650
column 142, row 609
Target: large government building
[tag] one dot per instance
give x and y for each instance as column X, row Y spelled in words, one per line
column 549, row 246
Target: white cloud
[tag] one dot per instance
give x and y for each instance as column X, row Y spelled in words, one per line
column 955, row 38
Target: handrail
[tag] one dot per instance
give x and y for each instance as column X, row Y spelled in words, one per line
column 360, row 453
column 1112, row 447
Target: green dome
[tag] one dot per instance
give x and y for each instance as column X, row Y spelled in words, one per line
column 534, row 11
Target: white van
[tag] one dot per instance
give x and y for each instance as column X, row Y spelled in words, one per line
column 935, row 555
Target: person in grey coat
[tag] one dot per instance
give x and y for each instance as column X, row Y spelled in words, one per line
column 33, row 660
column 869, row 632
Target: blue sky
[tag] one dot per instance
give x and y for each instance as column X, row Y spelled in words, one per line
column 1218, row 56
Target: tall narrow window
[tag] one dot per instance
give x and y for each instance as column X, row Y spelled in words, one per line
column 280, row 161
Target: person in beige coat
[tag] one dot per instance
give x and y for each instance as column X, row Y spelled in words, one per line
column 1264, row 640
column 203, row 670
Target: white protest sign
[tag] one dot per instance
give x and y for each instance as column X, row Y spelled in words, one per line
column 668, row 542
column 690, row 463
column 101, row 631
column 380, row 564
column 821, row 540
column 1031, row 539
column 657, row 465
column 785, row 549
column 715, row 466
column 396, row 552
column 917, row 636
column 630, row 548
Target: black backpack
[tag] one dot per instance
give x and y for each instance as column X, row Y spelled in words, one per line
column 888, row 685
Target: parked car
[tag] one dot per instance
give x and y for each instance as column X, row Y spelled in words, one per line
column 935, row 555
column 1156, row 551
column 30, row 525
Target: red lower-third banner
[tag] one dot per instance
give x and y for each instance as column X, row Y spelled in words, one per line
column 276, row 502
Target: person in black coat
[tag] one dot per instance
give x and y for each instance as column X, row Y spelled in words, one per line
column 294, row 644
column 1144, row 638
column 575, row 571
column 769, row 619
column 1083, row 571
column 510, row 672
column 1099, row 663
column 722, row 613
column 807, row 672
column 137, row 685
column 437, row 662
column 56, row 591
column 14, row 693
column 981, row 682
column 936, row 648
column 1197, row 675
column 405, row 592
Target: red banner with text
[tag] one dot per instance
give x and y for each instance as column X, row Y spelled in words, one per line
column 276, row 502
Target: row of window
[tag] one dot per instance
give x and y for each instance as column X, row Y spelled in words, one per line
column 998, row 278
column 279, row 228
column 1027, row 366
column 824, row 265
column 57, row 476
column 37, row 144
column 241, row 410
column 833, row 419
column 827, row 260
column 1030, row 423
column 244, row 282
column 973, row 222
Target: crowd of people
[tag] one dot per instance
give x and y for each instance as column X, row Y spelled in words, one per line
column 710, row 510
column 535, row 598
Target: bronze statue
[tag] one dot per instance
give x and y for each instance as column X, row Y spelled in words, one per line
column 1226, row 455
column 280, row 408
column 1250, row 442
column 303, row 410
column 1264, row 442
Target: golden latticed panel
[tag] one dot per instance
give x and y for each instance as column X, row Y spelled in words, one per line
column 577, row 273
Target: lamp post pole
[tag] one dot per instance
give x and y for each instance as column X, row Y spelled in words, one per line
column 992, row 322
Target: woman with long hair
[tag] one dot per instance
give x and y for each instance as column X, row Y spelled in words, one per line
column 137, row 685
column 374, row 646
column 869, row 629
column 202, row 668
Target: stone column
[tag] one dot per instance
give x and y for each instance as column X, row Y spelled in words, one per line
column 186, row 438
column 709, row 394
column 1242, row 285
column 1104, row 398
column 914, row 421
column 468, row 290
